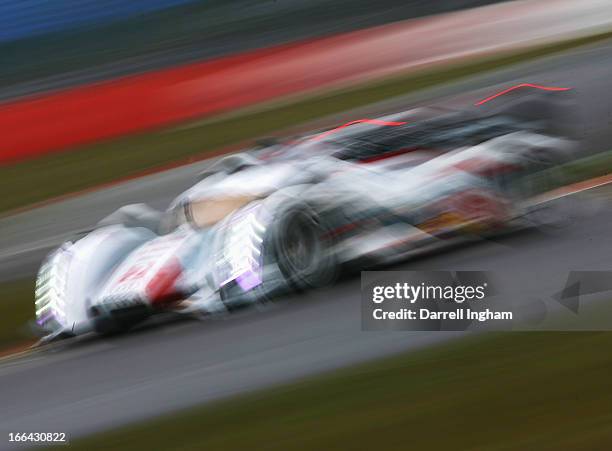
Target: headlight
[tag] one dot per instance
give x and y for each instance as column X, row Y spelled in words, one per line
column 50, row 290
column 241, row 258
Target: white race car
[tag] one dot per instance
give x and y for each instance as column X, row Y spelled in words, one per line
column 291, row 215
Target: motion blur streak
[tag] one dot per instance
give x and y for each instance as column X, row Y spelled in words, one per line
column 522, row 85
column 389, row 168
column 360, row 121
column 78, row 116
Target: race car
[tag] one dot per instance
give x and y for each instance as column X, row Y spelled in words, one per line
column 292, row 215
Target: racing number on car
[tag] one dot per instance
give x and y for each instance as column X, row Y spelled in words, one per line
column 468, row 209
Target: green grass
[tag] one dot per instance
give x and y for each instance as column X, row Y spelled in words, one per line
column 16, row 309
column 513, row 391
column 58, row 174
column 575, row 171
column 579, row 170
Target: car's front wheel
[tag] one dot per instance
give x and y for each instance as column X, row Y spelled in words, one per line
column 303, row 249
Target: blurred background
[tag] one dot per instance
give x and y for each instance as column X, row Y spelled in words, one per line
column 48, row 44
column 107, row 102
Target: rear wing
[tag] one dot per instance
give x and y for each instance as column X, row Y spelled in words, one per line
column 550, row 109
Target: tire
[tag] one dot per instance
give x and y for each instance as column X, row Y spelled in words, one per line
column 301, row 247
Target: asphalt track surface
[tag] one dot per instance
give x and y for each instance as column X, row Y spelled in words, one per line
column 99, row 384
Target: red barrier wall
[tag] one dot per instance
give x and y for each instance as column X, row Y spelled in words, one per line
column 78, row 116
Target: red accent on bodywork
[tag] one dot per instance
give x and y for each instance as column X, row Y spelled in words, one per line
column 522, row 85
column 341, row 230
column 161, row 288
column 485, row 167
column 359, row 121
